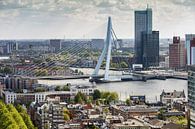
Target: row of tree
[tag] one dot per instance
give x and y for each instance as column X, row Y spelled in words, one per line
column 6, row 70
column 103, row 97
column 11, row 118
column 107, row 97
column 62, row 88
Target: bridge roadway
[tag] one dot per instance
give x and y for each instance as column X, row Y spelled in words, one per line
column 130, row 77
column 150, row 76
column 67, row 77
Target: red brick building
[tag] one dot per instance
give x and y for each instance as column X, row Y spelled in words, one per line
column 177, row 54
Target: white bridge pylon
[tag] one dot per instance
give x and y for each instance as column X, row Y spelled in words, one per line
column 106, row 52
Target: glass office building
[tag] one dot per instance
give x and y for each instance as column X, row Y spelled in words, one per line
column 188, row 38
column 150, row 43
column 143, row 23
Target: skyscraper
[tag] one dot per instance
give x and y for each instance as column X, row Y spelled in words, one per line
column 191, row 95
column 192, row 51
column 188, row 37
column 145, row 39
column 150, row 43
column 55, row 44
column 143, row 23
column 177, row 53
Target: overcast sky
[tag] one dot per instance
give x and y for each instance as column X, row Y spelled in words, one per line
column 37, row 19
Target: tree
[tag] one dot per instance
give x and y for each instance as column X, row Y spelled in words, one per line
column 66, row 88
column 57, row 88
column 41, row 72
column 48, row 59
column 160, row 115
column 17, row 117
column 106, row 110
column 80, row 73
column 6, row 119
column 77, row 98
column 93, row 127
column 80, row 98
column 124, row 64
column 76, row 70
column 98, row 102
column 109, row 96
column 66, row 114
column 128, row 102
column 96, row 94
column 66, row 117
column 10, row 118
column 7, row 70
column 25, row 117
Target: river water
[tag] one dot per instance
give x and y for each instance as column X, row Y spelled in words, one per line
column 152, row 88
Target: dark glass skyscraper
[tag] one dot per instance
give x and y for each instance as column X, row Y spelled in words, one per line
column 150, row 43
column 143, row 23
column 146, row 40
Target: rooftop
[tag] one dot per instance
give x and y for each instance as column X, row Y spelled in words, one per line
column 129, row 122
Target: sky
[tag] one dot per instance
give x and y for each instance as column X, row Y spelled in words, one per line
column 43, row 19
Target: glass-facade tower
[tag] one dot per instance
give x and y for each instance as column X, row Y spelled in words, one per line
column 188, row 38
column 143, row 23
column 146, row 39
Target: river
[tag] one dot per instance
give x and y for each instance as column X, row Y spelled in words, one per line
column 152, row 88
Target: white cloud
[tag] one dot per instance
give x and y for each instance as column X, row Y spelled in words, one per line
column 78, row 17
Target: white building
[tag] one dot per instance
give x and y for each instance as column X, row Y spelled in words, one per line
column 170, row 97
column 87, row 90
column 167, row 62
column 11, row 97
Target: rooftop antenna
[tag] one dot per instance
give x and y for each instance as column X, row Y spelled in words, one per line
column 147, row 6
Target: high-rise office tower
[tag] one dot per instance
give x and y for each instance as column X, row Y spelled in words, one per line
column 192, row 51
column 191, row 95
column 143, row 23
column 55, row 44
column 145, row 38
column 177, row 53
column 150, row 45
column 188, row 37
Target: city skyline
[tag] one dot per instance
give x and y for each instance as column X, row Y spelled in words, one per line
column 32, row 19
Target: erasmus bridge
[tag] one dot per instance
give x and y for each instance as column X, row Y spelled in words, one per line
column 110, row 43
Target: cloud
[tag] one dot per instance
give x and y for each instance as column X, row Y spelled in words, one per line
column 50, row 14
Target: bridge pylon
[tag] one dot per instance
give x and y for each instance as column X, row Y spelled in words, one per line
column 106, row 52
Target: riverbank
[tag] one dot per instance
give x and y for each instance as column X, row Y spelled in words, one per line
column 151, row 88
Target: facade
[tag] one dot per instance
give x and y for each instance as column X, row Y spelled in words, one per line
column 191, row 95
column 170, row 97
column 167, row 62
column 87, row 90
column 128, row 112
column 97, row 44
column 138, row 99
column 55, row 44
column 177, row 54
column 146, row 39
column 188, row 38
column 25, row 98
column 150, row 43
column 143, row 23
column 19, row 83
column 2, row 87
column 130, row 124
column 192, row 51
column 49, row 113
